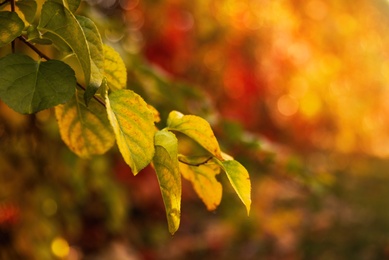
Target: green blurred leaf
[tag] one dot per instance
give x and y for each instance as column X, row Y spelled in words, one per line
column 239, row 179
column 28, row 8
column 197, row 129
column 203, row 179
column 96, row 56
column 28, row 86
column 85, row 129
column 11, row 27
column 133, row 124
column 114, row 69
column 166, row 166
column 59, row 25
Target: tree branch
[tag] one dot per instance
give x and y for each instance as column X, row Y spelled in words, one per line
column 13, row 10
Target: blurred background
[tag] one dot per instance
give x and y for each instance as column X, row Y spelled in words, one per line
column 295, row 90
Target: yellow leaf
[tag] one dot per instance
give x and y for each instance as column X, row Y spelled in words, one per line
column 203, row 179
column 166, row 166
column 197, row 129
column 133, row 124
column 85, row 130
column 114, row 69
column 239, row 179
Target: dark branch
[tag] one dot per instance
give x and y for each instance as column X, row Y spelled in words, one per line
column 194, row 164
column 35, row 49
column 13, row 10
column 4, row 2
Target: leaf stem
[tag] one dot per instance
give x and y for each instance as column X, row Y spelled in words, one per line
column 194, row 164
column 42, row 55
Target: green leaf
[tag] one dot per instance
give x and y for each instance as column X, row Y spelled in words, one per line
column 97, row 56
column 166, row 166
column 85, row 129
column 71, row 5
column 203, row 179
column 133, row 124
column 34, row 36
column 114, row 69
column 239, row 179
column 28, row 9
column 28, row 86
column 11, row 27
column 59, row 25
column 197, row 129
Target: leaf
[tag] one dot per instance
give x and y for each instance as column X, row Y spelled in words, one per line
column 71, row 5
column 28, row 86
column 114, row 69
column 96, row 55
column 197, row 129
column 11, row 27
column 59, row 25
column 85, row 129
column 166, row 166
column 239, row 179
column 28, row 8
column 34, row 36
column 203, row 179
column 133, row 124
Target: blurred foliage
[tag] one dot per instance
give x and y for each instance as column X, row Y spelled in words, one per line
column 295, row 90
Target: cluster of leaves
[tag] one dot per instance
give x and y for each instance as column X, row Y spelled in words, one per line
column 91, row 118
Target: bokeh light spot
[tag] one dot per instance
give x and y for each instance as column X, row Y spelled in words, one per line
column 128, row 4
column 310, row 104
column 60, row 247
column 287, row 105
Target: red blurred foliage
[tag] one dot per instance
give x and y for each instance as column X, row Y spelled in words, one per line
column 9, row 214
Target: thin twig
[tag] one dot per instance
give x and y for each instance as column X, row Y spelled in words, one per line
column 194, row 164
column 42, row 55
column 13, row 10
column 4, row 2
column 35, row 49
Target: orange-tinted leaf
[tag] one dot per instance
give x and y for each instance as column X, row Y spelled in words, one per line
column 203, row 179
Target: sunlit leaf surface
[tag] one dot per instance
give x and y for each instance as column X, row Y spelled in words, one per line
column 85, row 129
column 166, row 166
column 240, row 181
column 95, row 45
column 12, row 27
column 203, row 179
column 60, row 25
column 133, row 124
column 114, row 69
column 197, row 129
